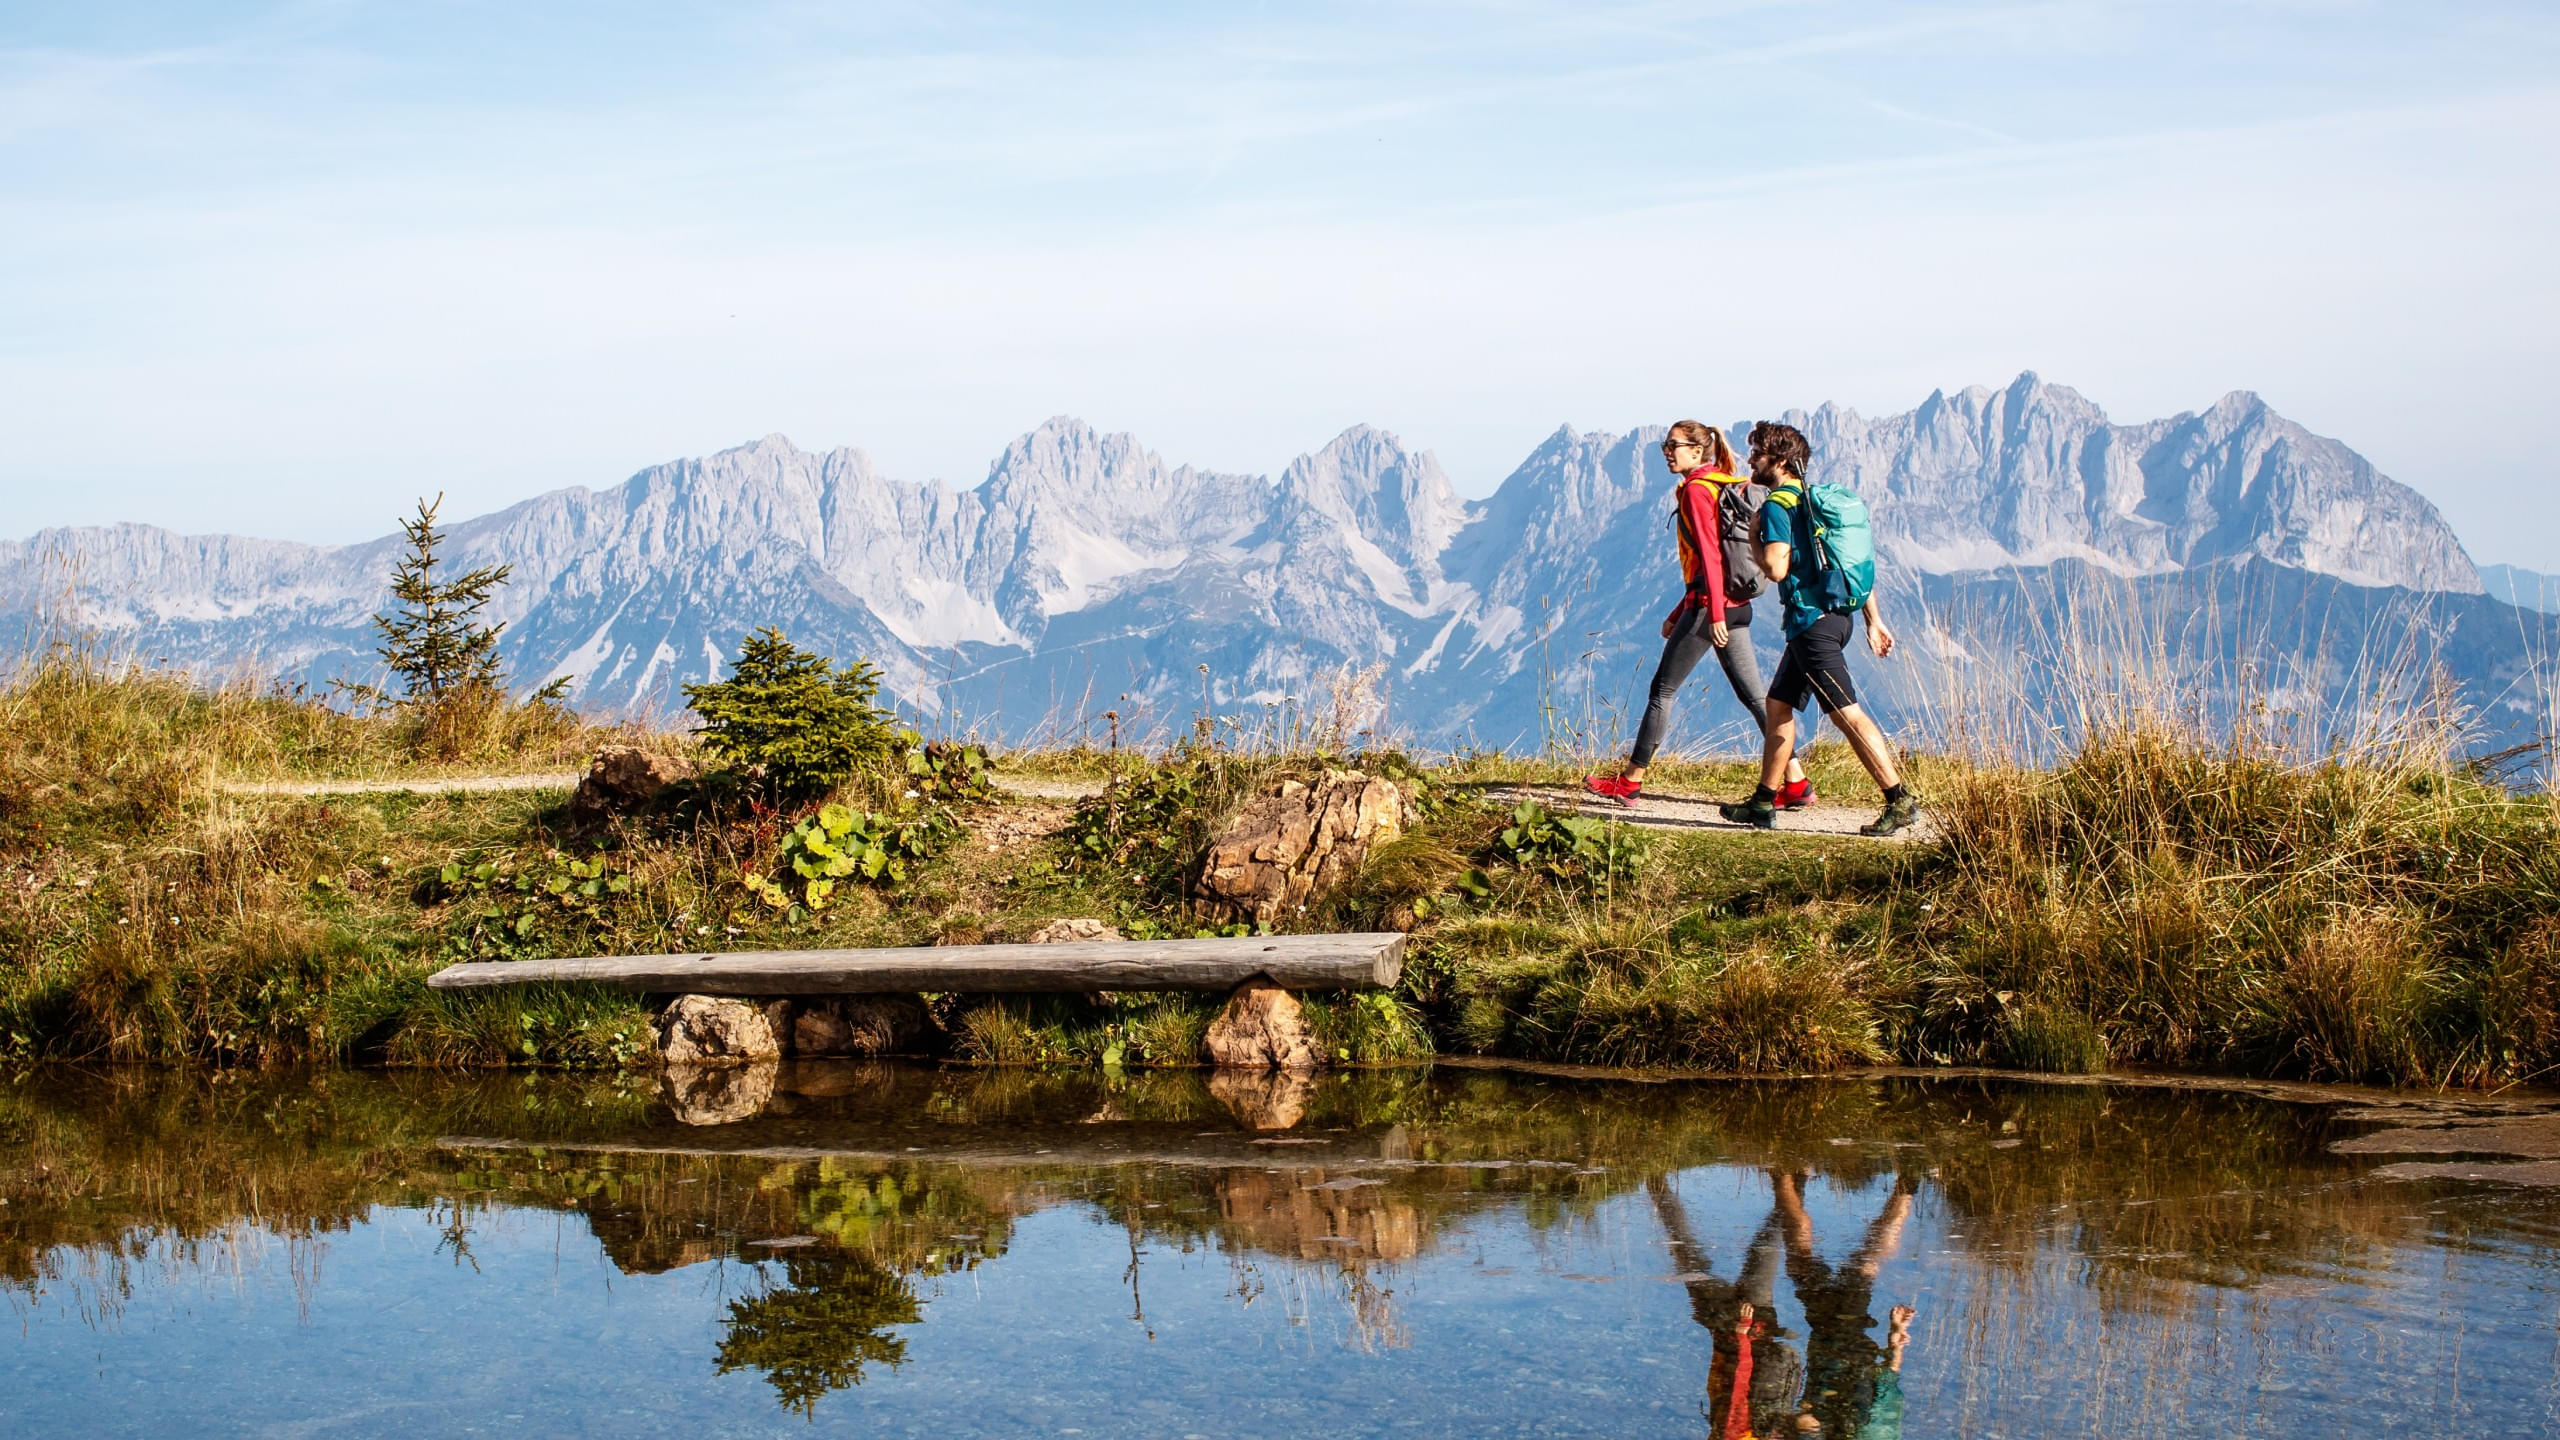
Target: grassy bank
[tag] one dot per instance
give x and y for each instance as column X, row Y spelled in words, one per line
column 2219, row 905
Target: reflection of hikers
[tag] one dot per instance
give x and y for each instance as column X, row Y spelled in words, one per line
column 1716, row 517
column 1815, row 542
column 1853, row 1387
column 1753, row 1371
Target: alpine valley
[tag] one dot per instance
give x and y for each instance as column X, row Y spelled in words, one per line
column 2027, row 545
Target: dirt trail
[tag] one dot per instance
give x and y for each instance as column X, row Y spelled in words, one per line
column 1654, row 812
column 1031, row 789
column 1022, row 787
column 1682, row 812
column 561, row 780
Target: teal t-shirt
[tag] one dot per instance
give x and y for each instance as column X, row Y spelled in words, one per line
column 1779, row 526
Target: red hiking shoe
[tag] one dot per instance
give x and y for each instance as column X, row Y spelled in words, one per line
column 1796, row 794
column 1614, row 787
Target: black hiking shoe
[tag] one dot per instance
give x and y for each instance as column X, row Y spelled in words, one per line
column 1899, row 815
column 1758, row 814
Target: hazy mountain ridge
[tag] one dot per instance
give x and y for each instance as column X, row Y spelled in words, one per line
column 2530, row 589
column 1086, row 573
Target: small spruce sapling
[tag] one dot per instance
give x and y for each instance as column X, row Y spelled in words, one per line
column 433, row 640
column 793, row 717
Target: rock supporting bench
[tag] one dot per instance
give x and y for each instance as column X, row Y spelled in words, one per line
column 1368, row 961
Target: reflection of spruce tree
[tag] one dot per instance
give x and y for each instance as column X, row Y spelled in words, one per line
column 815, row 1332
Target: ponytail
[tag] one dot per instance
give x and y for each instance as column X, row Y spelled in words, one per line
column 1719, row 451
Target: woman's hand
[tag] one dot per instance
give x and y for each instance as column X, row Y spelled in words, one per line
column 1669, row 625
column 1720, row 633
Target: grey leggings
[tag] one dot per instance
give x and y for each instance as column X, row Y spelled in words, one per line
column 1690, row 642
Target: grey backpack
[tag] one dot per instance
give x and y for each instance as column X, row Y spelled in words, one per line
column 1738, row 530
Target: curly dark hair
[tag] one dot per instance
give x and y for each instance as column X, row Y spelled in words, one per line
column 1784, row 445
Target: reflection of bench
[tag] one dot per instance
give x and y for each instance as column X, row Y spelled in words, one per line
column 1292, row 962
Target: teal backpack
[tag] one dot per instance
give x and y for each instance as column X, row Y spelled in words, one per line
column 1840, row 554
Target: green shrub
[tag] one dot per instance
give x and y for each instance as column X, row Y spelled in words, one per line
column 792, row 718
column 945, row 770
column 1154, row 824
column 839, row 843
column 1573, row 847
column 513, row 909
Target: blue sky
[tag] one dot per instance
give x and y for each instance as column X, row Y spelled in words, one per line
column 278, row 268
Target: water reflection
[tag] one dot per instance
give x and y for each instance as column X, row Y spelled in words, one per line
column 813, row 1328
column 1158, row 1251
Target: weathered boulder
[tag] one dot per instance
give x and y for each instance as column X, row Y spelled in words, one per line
column 625, row 780
column 859, row 1026
column 1077, row 930
column 713, row 1030
column 718, row 1094
column 1263, row 1028
column 1295, row 841
column 1264, row 1099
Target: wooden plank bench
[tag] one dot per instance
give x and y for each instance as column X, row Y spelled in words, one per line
column 1368, row 961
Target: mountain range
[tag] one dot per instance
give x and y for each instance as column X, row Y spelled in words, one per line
column 1087, row 583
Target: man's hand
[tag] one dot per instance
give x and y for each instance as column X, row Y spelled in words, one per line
column 1669, row 624
column 1879, row 639
column 1720, row 633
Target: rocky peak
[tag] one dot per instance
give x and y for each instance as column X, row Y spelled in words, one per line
column 2034, row 473
column 1397, row 501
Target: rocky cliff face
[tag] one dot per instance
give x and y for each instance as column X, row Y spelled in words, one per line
column 2034, row 474
column 1088, row 574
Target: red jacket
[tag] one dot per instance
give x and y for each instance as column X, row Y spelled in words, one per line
column 1729, row 1377
column 1701, row 544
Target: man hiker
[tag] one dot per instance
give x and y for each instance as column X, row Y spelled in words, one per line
column 1816, row 544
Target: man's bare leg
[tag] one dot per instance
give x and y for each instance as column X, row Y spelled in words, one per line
column 1778, row 747
column 1866, row 738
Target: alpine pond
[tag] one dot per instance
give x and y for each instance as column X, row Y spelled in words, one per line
column 1442, row 1251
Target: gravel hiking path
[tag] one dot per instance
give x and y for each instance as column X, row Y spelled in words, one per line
column 1682, row 812
column 1654, row 812
column 561, row 780
column 1030, row 789
column 1021, row 787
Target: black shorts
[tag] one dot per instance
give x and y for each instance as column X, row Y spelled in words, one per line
column 1817, row 667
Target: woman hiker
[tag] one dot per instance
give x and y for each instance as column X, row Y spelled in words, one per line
column 1715, row 605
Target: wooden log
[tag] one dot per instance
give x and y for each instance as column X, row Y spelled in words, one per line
column 1293, row 962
